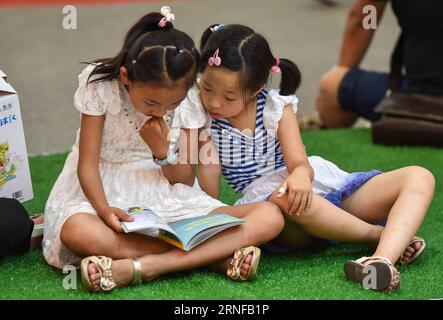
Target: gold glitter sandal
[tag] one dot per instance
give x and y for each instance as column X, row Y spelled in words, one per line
column 234, row 270
column 104, row 265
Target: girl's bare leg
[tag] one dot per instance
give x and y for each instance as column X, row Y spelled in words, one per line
column 86, row 234
column 294, row 236
column 263, row 223
column 325, row 220
column 403, row 197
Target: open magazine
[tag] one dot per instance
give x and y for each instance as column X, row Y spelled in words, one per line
column 184, row 234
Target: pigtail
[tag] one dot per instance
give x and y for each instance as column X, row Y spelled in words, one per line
column 290, row 77
column 207, row 34
column 242, row 49
column 179, row 62
column 109, row 68
column 153, row 52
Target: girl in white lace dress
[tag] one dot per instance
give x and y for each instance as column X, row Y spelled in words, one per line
column 122, row 158
column 254, row 132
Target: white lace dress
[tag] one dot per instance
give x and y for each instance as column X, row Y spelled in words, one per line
column 129, row 175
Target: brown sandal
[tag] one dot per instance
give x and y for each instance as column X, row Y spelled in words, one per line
column 236, row 263
column 385, row 273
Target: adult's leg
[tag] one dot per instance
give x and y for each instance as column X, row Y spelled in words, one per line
column 294, row 236
column 346, row 94
column 327, row 102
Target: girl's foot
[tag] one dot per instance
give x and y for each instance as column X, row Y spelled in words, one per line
column 121, row 273
column 103, row 274
column 243, row 266
column 413, row 251
column 382, row 276
column 223, row 266
column 234, row 270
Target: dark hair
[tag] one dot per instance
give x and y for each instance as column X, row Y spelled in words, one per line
column 152, row 54
column 245, row 51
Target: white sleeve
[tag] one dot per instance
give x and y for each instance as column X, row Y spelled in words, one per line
column 190, row 114
column 96, row 98
column 273, row 110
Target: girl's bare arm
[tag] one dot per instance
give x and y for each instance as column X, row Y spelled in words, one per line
column 209, row 167
column 88, row 162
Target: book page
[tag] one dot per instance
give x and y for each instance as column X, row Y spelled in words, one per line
column 145, row 221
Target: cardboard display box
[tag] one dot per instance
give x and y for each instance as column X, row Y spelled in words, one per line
column 15, row 176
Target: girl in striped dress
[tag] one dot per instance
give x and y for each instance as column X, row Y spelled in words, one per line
column 256, row 138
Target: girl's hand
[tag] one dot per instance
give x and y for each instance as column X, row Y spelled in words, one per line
column 112, row 216
column 155, row 133
column 299, row 187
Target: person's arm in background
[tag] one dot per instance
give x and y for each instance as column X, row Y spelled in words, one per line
column 356, row 38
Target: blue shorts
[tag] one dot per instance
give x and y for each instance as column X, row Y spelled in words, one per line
column 360, row 91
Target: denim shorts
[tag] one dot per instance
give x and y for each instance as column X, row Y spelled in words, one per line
column 360, row 91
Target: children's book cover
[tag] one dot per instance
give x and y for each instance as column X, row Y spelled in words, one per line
column 184, row 234
column 15, row 176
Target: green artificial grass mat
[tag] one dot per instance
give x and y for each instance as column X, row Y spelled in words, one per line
column 315, row 273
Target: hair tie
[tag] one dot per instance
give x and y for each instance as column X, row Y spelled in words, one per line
column 215, row 60
column 215, row 28
column 276, row 68
column 167, row 16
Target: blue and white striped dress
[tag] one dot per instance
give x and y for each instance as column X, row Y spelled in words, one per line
column 246, row 158
column 253, row 164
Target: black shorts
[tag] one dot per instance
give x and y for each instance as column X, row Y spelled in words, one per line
column 360, row 91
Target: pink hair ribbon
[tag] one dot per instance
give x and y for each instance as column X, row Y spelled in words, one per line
column 215, row 60
column 276, row 68
column 167, row 16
